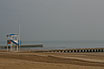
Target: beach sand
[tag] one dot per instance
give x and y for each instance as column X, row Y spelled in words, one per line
column 21, row 60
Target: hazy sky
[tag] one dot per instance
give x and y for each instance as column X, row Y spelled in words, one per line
column 53, row 19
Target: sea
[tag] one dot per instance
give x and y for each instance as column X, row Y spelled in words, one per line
column 49, row 45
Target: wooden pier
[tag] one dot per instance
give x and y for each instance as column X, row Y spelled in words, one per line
column 75, row 50
column 78, row 50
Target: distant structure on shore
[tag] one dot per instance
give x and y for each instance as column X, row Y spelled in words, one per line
column 13, row 42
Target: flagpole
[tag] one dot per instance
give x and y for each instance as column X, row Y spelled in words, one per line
column 19, row 36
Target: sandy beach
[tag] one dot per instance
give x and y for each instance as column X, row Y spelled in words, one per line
column 25, row 60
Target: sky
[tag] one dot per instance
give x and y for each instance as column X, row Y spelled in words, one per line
column 46, row 20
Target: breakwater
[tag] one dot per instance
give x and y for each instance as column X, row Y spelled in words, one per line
column 36, row 45
column 75, row 50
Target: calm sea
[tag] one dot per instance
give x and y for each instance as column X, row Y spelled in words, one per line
column 63, row 44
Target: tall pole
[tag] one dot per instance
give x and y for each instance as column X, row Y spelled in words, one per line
column 19, row 36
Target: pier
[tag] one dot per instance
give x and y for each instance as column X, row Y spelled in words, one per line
column 75, row 50
column 34, row 45
column 78, row 50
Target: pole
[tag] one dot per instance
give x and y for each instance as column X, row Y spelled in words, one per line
column 7, row 45
column 11, row 46
column 19, row 36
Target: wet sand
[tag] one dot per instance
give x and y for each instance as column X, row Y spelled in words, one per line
column 14, row 60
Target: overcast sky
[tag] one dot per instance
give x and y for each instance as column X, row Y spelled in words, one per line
column 53, row 19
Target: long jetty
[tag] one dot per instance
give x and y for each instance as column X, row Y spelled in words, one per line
column 75, row 50
column 34, row 45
